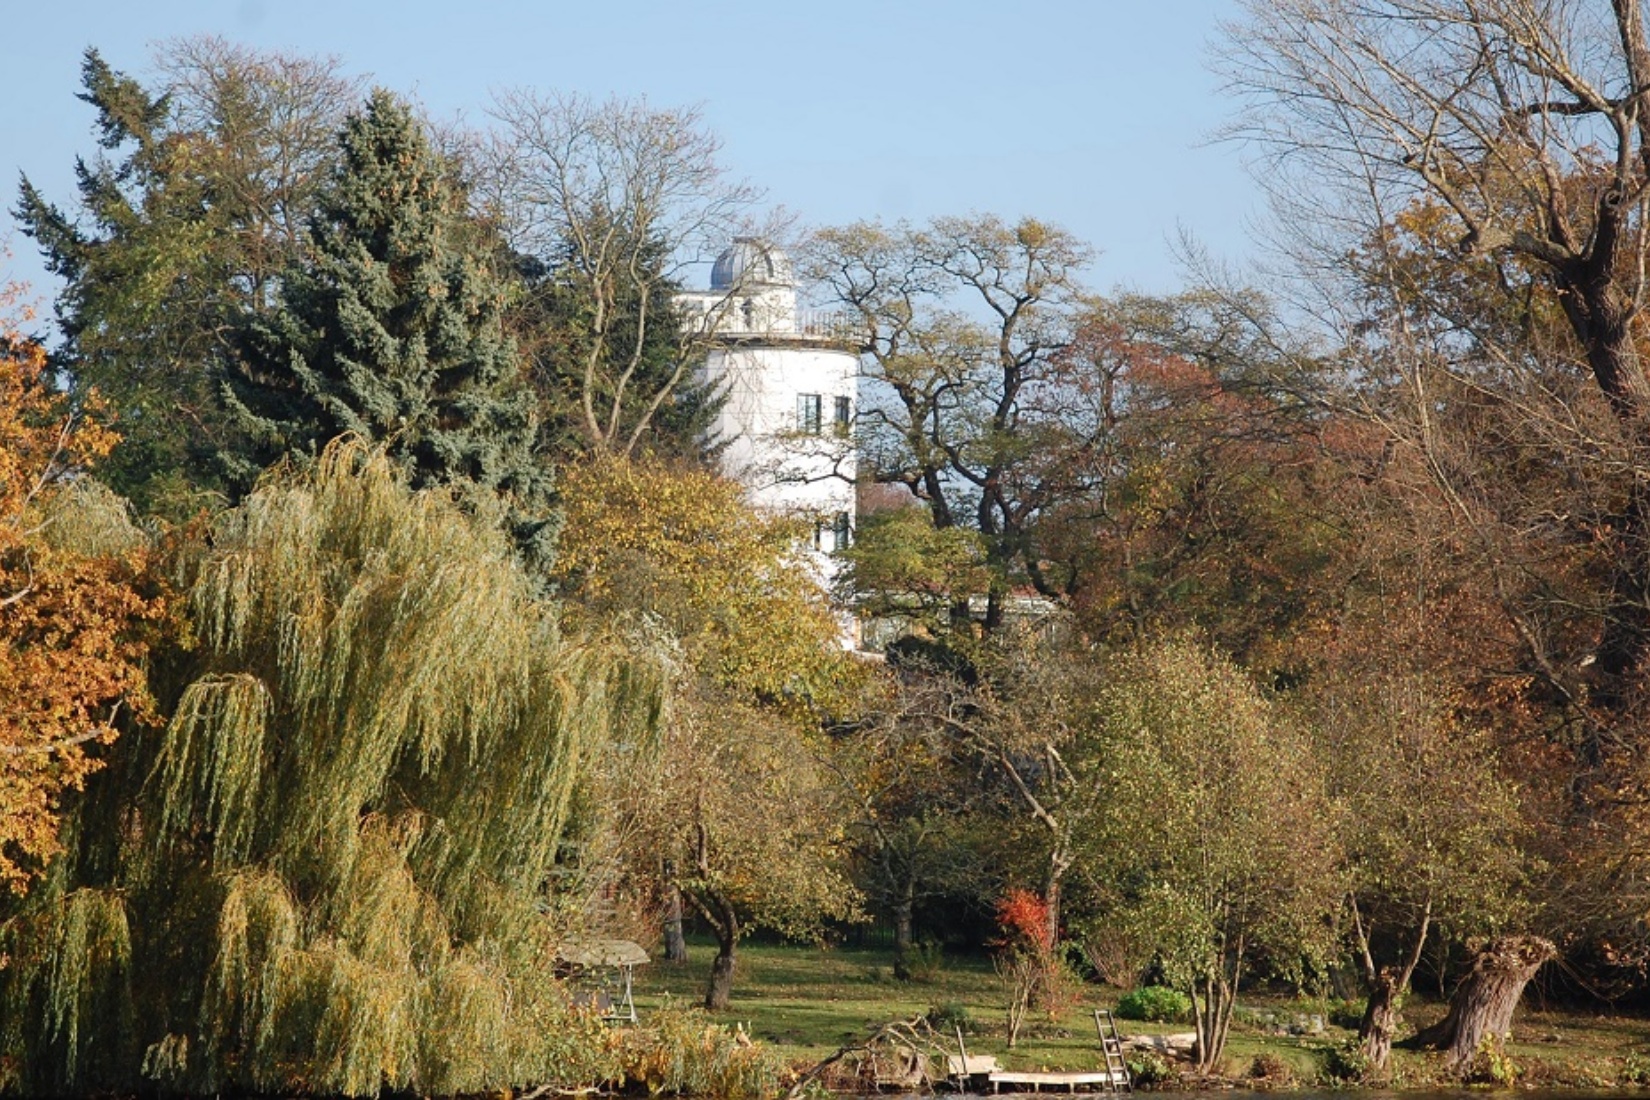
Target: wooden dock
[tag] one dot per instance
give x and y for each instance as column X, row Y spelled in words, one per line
column 967, row 1070
column 1089, row 1081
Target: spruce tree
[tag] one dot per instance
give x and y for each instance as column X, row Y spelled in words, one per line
column 393, row 331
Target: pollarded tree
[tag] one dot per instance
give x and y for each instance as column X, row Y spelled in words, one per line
column 1214, row 842
column 1433, row 832
column 329, row 873
column 394, row 331
column 180, row 230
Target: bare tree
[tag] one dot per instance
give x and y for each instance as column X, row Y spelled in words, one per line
column 1527, row 121
column 616, row 197
column 974, row 410
column 275, row 120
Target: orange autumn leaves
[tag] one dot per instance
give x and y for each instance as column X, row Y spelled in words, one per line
column 74, row 626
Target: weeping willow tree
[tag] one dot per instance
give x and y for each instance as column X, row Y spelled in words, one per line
column 330, row 872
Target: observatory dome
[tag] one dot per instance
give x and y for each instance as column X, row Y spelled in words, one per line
column 750, row 261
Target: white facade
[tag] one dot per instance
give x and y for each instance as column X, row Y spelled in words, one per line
column 792, row 389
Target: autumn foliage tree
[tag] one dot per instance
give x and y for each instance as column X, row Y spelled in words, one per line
column 736, row 809
column 726, row 579
column 1213, row 481
column 1029, row 957
column 1523, row 125
column 73, row 624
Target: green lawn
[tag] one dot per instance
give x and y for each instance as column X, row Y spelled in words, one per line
column 806, row 1002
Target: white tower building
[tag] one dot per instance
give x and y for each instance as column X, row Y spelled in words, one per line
column 791, row 381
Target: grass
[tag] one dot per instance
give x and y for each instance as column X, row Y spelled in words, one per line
column 806, row 1002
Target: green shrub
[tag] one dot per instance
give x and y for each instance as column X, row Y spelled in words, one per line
column 948, row 1016
column 1271, row 1069
column 923, row 961
column 1347, row 1062
column 1149, row 1069
column 682, row 1052
column 1490, row 1065
column 1635, row 1069
column 1347, row 1014
column 1155, row 1003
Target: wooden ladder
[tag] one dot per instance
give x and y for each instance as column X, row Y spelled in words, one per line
column 1111, row 1045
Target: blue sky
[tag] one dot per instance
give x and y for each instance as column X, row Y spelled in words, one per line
column 1093, row 114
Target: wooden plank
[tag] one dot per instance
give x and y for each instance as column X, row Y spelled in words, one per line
column 1037, row 1080
column 970, row 1065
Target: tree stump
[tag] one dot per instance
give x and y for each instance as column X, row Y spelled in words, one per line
column 1483, row 1003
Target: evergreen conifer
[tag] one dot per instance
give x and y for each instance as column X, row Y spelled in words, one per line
column 394, row 332
column 179, row 231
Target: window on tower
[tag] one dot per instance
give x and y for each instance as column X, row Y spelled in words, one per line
column 844, row 415
column 809, row 413
column 842, row 532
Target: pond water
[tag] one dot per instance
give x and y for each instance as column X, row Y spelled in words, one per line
column 1462, row 1093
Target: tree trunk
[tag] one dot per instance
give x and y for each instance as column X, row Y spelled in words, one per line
column 902, row 931
column 1387, row 986
column 1380, row 1020
column 1602, row 317
column 675, row 943
column 1625, row 639
column 1051, row 896
column 719, row 913
column 1212, row 1002
column 720, row 989
column 1483, row 1003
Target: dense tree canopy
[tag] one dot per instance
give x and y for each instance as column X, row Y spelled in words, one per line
column 182, row 228
column 329, row 872
column 394, row 332
column 1523, row 124
column 1223, row 641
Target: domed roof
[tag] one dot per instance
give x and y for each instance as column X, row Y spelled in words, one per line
column 751, row 261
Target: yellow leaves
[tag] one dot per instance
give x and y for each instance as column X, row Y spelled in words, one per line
column 1031, row 234
column 683, row 547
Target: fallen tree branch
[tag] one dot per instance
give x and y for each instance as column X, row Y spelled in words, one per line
column 915, row 1034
